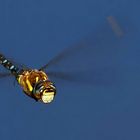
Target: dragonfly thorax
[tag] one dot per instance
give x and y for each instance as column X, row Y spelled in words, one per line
column 36, row 84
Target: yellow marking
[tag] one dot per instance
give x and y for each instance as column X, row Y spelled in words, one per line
column 29, row 85
column 45, row 78
column 18, row 79
column 26, row 79
column 37, row 78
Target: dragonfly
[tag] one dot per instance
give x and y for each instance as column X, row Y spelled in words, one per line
column 36, row 83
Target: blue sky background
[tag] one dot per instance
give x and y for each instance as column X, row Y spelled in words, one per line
column 105, row 105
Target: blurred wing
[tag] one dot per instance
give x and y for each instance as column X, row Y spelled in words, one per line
column 4, row 75
column 94, row 60
column 83, row 77
column 98, row 37
column 62, row 75
column 64, row 54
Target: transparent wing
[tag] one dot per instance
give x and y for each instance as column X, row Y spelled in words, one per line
column 94, row 60
column 64, row 54
column 4, row 75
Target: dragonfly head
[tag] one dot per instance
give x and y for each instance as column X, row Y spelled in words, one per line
column 44, row 91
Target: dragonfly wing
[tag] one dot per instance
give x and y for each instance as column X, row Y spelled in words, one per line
column 104, row 38
column 61, row 75
column 3, row 75
column 94, row 59
column 74, row 77
column 64, row 54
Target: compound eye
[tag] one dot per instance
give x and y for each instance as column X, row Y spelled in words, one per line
column 48, row 96
column 40, row 90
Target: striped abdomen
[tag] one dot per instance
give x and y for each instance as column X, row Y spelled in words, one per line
column 8, row 65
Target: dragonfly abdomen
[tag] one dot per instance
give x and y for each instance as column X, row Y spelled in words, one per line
column 8, row 65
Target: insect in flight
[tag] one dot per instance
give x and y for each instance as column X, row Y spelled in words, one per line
column 35, row 82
